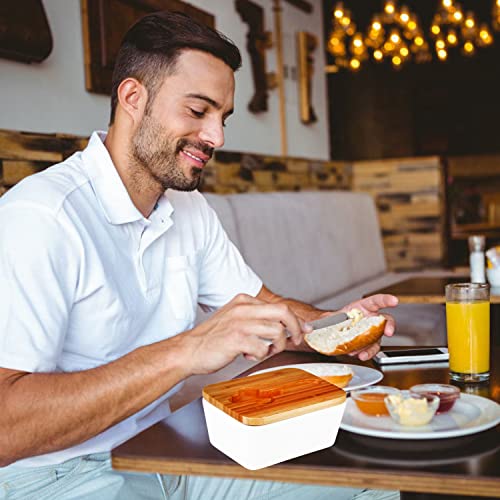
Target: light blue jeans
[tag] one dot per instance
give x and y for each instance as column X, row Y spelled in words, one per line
column 92, row 478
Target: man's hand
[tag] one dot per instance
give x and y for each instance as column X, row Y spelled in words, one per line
column 246, row 325
column 370, row 306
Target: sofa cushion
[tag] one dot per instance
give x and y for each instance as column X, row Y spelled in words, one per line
column 308, row 245
column 225, row 212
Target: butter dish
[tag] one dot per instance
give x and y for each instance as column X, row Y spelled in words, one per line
column 264, row 419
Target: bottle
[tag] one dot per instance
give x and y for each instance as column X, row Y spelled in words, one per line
column 476, row 259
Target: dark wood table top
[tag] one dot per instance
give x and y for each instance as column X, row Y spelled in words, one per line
column 468, row 465
column 427, row 290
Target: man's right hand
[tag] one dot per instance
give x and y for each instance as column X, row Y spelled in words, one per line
column 245, row 325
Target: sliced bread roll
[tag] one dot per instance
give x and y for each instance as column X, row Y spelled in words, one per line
column 340, row 375
column 347, row 336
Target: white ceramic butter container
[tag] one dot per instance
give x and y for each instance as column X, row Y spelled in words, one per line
column 265, row 419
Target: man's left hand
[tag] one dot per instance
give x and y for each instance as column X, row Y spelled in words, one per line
column 370, row 306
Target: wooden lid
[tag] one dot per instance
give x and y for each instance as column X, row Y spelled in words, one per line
column 273, row 396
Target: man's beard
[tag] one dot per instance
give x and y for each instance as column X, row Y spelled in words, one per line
column 155, row 152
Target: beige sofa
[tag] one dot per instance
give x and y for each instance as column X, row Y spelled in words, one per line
column 324, row 248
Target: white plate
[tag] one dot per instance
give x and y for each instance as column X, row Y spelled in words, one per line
column 469, row 415
column 362, row 375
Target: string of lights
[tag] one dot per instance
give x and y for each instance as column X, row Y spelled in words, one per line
column 396, row 34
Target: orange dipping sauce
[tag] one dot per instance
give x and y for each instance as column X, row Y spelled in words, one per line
column 373, row 404
column 371, row 400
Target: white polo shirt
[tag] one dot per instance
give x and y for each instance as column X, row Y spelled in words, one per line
column 86, row 279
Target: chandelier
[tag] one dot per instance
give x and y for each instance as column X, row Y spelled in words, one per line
column 396, row 34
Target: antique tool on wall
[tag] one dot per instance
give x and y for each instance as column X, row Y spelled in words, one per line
column 258, row 41
column 306, row 45
column 24, row 31
column 306, row 7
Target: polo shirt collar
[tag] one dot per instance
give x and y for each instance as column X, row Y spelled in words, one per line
column 108, row 185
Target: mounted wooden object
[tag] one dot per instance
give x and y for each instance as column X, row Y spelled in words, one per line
column 258, row 40
column 306, row 45
column 303, row 5
column 24, row 31
column 280, row 75
column 104, row 24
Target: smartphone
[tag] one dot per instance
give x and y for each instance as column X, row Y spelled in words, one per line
column 417, row 355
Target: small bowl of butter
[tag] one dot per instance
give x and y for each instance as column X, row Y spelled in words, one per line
column 410, row 409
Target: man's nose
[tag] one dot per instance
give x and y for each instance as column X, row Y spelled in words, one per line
column 213, row 134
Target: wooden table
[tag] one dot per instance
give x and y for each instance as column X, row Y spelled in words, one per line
column 427, row 290
column 469, row 465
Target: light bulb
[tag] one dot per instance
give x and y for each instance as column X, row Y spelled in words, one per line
column 442, row 54
column 345, row 21
column 435, row 29
column 469, row 48
column 388, row 46
column 404, row 15
column 355, row 64
column 395, row 38
column 390, row 7
column 484, row 33
column 338, row 11
column 451, row 38
column 396, row 60
column 377, row 54
column 419, row 41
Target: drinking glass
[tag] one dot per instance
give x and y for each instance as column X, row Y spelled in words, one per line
column 468, row 326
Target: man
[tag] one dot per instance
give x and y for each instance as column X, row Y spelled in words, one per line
column 104, row 258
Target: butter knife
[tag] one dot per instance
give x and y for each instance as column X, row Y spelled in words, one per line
column 320, row 323
column 329, row 321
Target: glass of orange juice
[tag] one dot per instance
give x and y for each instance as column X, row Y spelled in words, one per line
column 468, row 326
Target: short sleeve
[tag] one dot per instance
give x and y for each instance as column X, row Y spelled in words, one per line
column 38, row 280
column 223, row 271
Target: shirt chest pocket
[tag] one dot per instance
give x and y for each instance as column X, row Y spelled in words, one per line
column 181, row 276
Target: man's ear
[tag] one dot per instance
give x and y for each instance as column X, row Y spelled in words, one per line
column 132, row 98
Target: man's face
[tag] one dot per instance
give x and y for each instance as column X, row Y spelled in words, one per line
column 184, row 122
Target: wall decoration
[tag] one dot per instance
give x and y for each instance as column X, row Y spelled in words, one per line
column 24, row 31
column 302, row 5
column 105, row 22
column 258, row 40
column 306, row 45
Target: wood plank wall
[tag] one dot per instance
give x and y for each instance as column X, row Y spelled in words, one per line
column 23, row 154
column 410, row 197
column 408, row 192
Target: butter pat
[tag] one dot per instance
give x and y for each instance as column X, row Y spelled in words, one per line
column 411, row 411
column 355, row 315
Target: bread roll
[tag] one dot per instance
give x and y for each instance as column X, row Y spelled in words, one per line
column 347, row 336
column 339, row 375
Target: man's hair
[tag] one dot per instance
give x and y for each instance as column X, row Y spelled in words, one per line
column 152, row 46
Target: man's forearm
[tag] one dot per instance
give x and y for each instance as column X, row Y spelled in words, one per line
column 44, row 412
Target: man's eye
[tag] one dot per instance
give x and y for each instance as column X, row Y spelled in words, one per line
column 198, row 114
